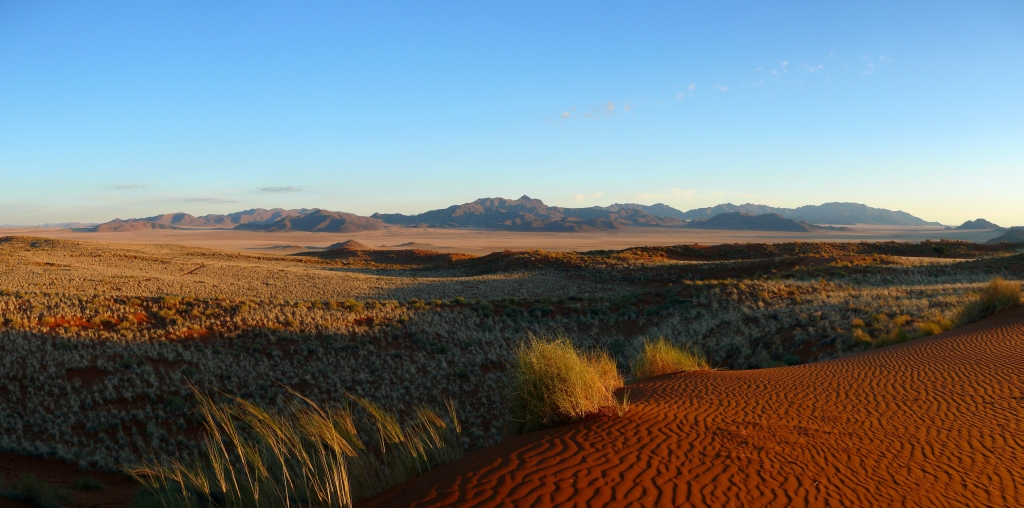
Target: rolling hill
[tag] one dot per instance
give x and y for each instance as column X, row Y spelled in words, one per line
column 1013, row 235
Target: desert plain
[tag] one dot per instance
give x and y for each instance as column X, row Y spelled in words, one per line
column 842, row 371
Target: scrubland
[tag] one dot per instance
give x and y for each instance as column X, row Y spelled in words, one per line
column 99, row 343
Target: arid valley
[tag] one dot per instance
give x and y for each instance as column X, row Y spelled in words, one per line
column 610, row 254
column 110, row 341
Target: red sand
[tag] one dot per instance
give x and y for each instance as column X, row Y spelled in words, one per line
column 934, row 422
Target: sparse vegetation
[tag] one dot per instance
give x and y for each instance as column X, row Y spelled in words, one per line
column 310, row 455
column 87, row 483
column 997, row 295
column 98, row 343
column 34, row 491
column 552, row 382
column 658, row 357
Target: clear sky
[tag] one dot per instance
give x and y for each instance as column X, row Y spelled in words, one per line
column 128, row 109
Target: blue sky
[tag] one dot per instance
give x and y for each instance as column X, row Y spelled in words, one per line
column 127, row 109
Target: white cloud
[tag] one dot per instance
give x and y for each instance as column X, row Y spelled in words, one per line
column 566, row 114
column 579, row 198
column 129, row 187
column 692, row 86
column 209, row 200
column 721, row 88
column 278, row 190
column 683, row 192
column 815, row 68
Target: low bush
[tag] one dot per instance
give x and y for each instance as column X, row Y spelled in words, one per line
column 662, row 357
column 998, row 295
column 34, row 491
column 310, row 456
column 553, row 383
column 87, row 483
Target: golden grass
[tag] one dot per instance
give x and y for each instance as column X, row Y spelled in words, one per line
column 552, row 383
column 313, row 455
column 997, row 295
column 660, row 357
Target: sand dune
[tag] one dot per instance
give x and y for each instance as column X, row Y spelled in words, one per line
column 934, row 422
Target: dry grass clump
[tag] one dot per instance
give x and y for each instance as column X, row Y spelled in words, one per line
column 997, row 295
column 553, row 382
column 36, row 492
column 660, row 357
column 312, row 455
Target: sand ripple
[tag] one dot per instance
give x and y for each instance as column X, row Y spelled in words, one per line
column 934, row 422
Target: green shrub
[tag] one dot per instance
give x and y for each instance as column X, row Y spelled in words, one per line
column 553, row 383
column 661, row 357
column 998, row 295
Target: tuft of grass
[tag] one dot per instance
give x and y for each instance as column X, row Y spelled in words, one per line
column 662, row 357
column 87, row 483
column 553, row 383
column 34, row 491
column 312, row 455
column 998, row 295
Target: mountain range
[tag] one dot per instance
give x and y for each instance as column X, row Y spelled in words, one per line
column 528, row 214
column 183, row 220
column 739, row 221
column 828, row 213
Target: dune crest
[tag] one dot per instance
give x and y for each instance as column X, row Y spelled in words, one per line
column 934, row 422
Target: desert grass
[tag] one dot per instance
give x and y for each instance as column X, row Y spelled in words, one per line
column 658, row 357
column 311, row 455
column 997, row 295
column 98, row 342
column 32, row 490
column 552, row 382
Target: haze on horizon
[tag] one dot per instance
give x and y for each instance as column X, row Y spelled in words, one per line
column 126, row 109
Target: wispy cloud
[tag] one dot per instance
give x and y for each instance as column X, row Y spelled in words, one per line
column 603, row 110
column 209, row 200
column 129, row 187
column 683, row 192
column 278, row 190
column 689, row 91
column 579, row 198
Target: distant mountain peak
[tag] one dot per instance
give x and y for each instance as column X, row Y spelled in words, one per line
column 977, row 224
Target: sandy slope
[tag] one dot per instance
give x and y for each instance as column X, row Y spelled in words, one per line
column 935, row 422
